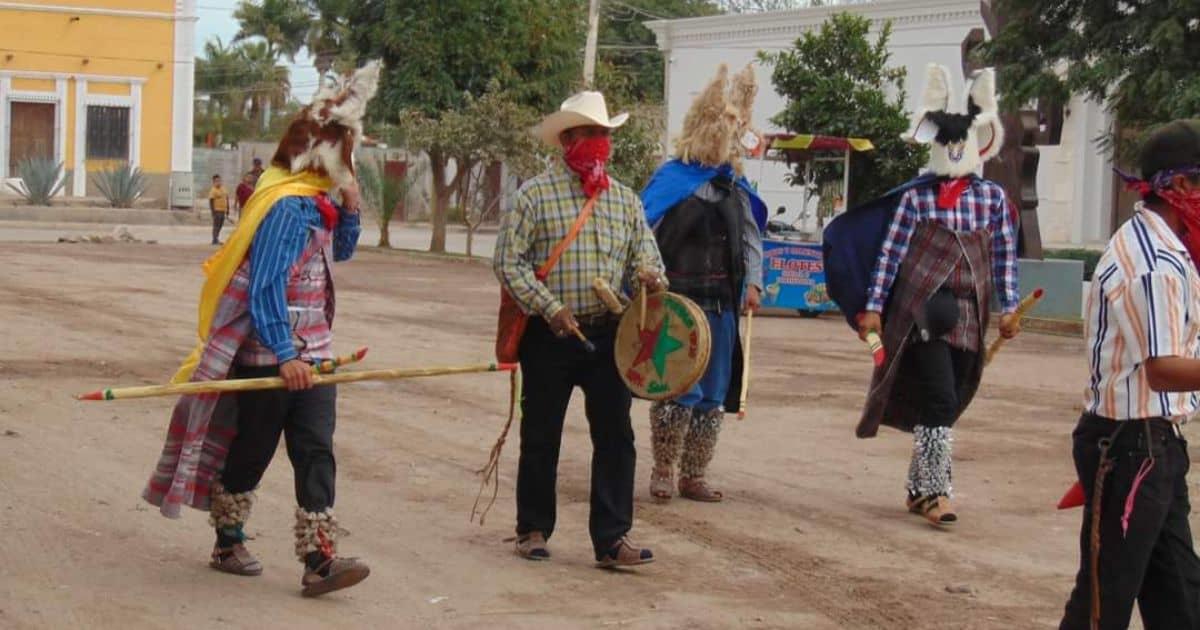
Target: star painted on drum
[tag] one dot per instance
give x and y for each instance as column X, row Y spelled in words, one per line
column 665, row 345
column 648, row 338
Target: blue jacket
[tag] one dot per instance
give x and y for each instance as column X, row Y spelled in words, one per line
column 675, row 181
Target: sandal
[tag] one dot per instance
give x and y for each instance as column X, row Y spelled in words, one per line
column 935, row 508
column 697, row 490
column 532, row 546
column 662, row 487
column 333, row 575
column 624, row 554
column 236, row 560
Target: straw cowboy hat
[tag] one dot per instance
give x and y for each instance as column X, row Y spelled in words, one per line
column 584, row 108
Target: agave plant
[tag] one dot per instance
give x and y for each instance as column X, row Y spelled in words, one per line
column 41, row 179
column 122, row 185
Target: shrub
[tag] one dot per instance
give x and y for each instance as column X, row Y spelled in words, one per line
column 1089, row 257
column 41, row 179
column 121, row 186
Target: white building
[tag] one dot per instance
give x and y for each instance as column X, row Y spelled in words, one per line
column 1075, row 181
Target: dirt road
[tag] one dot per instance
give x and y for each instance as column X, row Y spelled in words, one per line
column 813, row 533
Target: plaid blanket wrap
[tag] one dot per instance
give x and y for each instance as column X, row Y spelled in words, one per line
column 933, row 254
column 203, row 425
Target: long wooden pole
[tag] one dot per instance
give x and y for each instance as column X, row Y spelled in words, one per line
column 746, row 365
column 589, row 53
column 274, row 382
column 1023, row 308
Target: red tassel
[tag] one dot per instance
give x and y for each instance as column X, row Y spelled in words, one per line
column 1073, row 498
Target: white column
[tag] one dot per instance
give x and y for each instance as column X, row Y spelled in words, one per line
column 135, row 125
column 79, row 181
column 183, row 91
column 5, row 90
column 60, row 120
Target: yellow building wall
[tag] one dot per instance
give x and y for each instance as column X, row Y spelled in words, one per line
column 120, row 46
column 33, row 85
column 116, row 89
column 160, row 6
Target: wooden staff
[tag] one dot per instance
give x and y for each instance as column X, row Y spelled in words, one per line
column 1024, row 307
column 274, row 382
column 875, row 346
column 746, row 365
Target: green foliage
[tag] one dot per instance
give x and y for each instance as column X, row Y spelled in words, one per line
column 628, row 52
column 438, row 52
column 384, row 194
column 41, row 179
column 283, row 24
column 1139, row 58
column 840, row 84
column 241, row 82
column 1089, row 257
column 121, row 185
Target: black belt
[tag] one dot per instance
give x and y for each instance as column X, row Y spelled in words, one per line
column 1157, row 424
column 598, row 322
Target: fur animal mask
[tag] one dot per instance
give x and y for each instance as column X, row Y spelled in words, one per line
column 961, row 141
column 323, row 135
column 714, row 128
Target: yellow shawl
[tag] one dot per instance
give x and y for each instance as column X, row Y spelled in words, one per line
column 274, row 184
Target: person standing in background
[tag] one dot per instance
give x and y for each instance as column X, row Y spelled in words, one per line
column 218, row 204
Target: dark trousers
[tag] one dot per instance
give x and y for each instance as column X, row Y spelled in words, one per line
column 552, row 368
column 218, row 222
column 1153, row 562
column 306, row 420
column 940, row 371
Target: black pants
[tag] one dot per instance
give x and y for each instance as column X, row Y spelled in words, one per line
column 940, row 372
column 1153, row 562
column 218, row 222
column 305, row 418
column 552, row 368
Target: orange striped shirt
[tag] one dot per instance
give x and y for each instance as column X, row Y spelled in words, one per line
column 1144, row 303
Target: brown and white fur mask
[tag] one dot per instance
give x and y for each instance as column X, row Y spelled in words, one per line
column 710, row 125
column 747, row 139
column 960, row 141
column 324, row 134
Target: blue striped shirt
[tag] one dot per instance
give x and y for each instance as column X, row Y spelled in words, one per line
column 278, row 244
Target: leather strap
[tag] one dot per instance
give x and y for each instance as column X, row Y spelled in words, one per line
column 544, row 271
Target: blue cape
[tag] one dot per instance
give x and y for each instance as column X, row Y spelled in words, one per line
column 675, row 181
column 851, row 244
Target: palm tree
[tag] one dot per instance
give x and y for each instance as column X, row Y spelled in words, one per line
column 282, row 23
column 328, row 34
column 269, row 86
column 219, row 74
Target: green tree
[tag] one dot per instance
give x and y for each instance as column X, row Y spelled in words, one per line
column 839, row 83
column 1138, row 58
column 283, row 24
column 268, row 83
column 440, row 54
column 628, row 52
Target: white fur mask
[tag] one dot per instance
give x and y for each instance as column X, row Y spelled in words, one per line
column 961, row 139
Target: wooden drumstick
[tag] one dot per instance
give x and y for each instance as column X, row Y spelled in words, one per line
column 606, row 294
column 587, row 344
column 642, row 315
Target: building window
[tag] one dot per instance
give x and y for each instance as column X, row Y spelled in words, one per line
column 107, row 132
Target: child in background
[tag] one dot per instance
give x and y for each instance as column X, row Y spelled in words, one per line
column 218, row 203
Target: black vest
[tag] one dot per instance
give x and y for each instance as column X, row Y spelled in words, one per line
column 702, row 249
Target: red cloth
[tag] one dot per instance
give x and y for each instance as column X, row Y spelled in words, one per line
column 587, row 158
column 329, row 212
column 1187, row 205
column 950, row 191
column 244, row 191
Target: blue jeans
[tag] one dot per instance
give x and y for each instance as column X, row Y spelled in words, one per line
column 709, row 393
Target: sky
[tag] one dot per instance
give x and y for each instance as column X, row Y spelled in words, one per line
column 216, row 20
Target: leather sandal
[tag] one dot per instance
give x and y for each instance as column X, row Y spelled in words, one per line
column 936, row 509
column 339, row 573
column 662, row 487
column 236, row 560
column 624, row 554
column 697, row 490
column 532, row 546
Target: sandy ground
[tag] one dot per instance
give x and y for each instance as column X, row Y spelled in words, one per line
column 813, row 533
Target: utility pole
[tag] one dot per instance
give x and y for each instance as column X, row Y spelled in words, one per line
column 589, row 53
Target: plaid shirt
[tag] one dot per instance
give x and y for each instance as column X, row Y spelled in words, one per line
column 614, row 243
column 982, row 206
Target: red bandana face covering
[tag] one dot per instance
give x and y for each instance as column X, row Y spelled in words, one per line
column 587, row 158
column 1187, row 206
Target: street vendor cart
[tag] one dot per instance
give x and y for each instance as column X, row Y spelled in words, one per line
column 793, row 269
